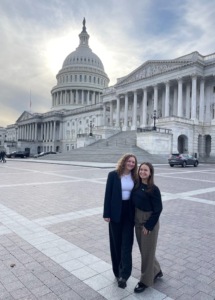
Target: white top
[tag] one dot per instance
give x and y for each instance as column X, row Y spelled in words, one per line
column 127, row 186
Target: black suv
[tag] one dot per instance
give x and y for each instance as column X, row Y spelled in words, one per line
column 21, row 154
column 182, row 160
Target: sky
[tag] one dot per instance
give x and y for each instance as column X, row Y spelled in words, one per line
column 37, row 35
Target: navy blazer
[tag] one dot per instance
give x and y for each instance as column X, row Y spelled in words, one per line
column 113, row 198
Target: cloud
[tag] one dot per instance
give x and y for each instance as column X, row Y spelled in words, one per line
column 36, row 37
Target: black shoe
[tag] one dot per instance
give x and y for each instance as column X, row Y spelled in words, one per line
column 140, row 287
column 122, row 283
column 159, row 274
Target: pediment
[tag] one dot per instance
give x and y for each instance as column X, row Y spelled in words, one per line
column 151, row 68
column 25, row 116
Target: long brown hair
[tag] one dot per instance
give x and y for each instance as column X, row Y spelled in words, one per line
column 122, row 163
column 150, row 182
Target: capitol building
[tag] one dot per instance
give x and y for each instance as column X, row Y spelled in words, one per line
column 170, row 104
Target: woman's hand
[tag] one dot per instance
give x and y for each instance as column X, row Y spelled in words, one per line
column 146, row 231
column 107, row 219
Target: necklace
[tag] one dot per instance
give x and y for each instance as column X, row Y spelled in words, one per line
column 126, row 176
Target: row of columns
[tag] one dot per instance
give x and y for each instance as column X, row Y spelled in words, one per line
column 190, row 106
column 75, row 97
column 34, row 132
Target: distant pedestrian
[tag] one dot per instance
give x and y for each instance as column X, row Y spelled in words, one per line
column 146, row 199
column 118, row 213
column 2, row 156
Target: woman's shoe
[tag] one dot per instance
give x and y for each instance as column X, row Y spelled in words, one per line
column 159, row 274
column 140, row 287
column 122, row 283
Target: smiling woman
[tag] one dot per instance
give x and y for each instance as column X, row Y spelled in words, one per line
column 119, row 215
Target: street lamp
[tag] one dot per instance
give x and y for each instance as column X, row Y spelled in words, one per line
column 154, row 117
column 91, row 128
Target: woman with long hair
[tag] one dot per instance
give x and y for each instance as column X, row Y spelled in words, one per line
column 118, row 213
column 146, row 199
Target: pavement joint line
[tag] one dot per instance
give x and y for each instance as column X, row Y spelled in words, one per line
column 52, row 246
column 199, row 200
column 69, row 216
column 97, row 210
column 185, row 178
column 38, row 183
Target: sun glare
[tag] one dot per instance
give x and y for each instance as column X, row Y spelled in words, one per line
column 57, row 50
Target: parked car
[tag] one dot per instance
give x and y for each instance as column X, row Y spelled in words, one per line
column 183, row 160
column 44, row 153
column 20, row 154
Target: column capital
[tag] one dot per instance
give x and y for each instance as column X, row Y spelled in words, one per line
column 194, row 75
column 179, row 79
column 145, row 88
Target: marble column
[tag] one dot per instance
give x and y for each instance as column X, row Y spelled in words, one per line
column 188, row 100
column 125, row 126
column 193, row 106
column 71, row 97
column 175, row 101
column 41, row 132
column 167, row 99
column 144, row 108
column 44, row 131
column 88, row 97
column 51, row 131
column 134, row 117
column 104, row 114
column 54, row 130
column 117, row 110
column 156, row 98
column 111, row 113
column 35, row 137
column 82, row 97
column 58, row 97
column 202, row 100
column 180, row 104
column 76, row 96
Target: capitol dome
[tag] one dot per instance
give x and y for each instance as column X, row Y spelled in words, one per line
column 82, row 78
column 83, row 56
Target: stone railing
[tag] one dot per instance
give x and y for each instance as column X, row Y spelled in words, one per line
column 151, row 128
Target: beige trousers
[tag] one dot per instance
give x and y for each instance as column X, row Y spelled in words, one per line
column 147, row 245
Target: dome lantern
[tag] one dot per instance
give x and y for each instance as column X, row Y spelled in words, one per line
column 84, row 36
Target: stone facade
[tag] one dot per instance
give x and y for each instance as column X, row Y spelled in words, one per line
column 181, row 92
column 2, row 137
column 178, row 95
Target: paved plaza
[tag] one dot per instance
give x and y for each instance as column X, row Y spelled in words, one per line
column 54, row 242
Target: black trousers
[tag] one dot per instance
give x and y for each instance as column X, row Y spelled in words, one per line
column 121, row 242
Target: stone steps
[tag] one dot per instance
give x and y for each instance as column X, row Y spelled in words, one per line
column 109, row 151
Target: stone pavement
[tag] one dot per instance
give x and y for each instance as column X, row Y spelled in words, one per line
column 54, row 242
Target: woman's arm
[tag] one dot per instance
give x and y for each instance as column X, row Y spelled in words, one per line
column 108, row 196
column 157, row 207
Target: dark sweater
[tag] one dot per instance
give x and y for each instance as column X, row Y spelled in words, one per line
column 149, row 201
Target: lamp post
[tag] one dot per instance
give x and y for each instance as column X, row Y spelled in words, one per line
column 154, row 117
column 91, row 128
